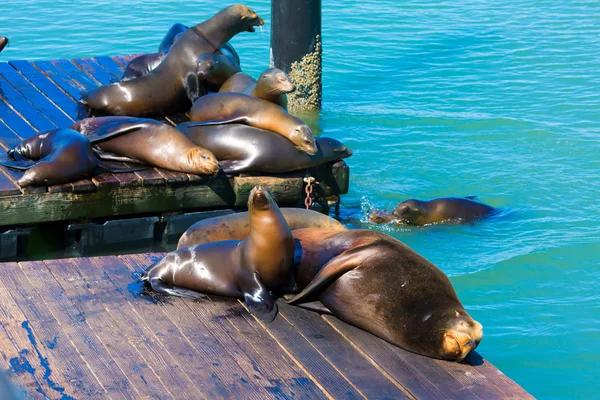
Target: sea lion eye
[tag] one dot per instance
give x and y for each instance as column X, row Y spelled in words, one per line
column 307, row 141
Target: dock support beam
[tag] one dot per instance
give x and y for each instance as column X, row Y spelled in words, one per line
column 296, row 49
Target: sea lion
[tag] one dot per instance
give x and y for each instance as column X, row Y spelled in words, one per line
column 172, row 35
column 3, row 42
column 382, row 217
column 377, row 283
column 57, row 156
column 141, row 65
column 221, row 108
column 215, row 69
column 417, row 212
column 272, row 85
column 236, row 226
column 243, row 148
column 169, row 88
column 147, row 141
column 250, row 268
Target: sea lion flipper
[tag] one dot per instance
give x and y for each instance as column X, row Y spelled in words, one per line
column 240, row 119
column 20, row 165
column 109, row 131
column 335, row 268
column 315, row 306
column 161, row 287
column 258, row 299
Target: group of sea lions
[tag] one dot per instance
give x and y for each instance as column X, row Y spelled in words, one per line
column 237, row 124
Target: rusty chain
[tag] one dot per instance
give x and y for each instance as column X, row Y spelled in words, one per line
column 310, row 182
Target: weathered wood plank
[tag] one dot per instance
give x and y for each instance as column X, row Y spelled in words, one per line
column 111, row 66
column 251, row 347
column 215, row 353
column 28, row 112
column 77, row 74
column 46, row 86
column 8, row 177
column 75, row 326
column 370, row 381
column 111, row 322
column 35, row 97
column 61, row 360
column 200, row 381
column 94, row 70
column 125, row 60
column 73, row 88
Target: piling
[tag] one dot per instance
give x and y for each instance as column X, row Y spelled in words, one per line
column 296, row 49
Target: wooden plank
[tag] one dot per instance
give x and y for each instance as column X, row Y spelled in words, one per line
column 8, row 177
column 199, row 380
column 125, row 60
column 94, row 70
column 77, row 74
column 35, row 97
column 29, row 113
column 72, row 87
column 112, row 322
column 46, row 86
column 422, row 376
column 75, row 326
column 369, row 380
column 214, row 353
column 252, row 348
column 63, row 367
column 111, row 66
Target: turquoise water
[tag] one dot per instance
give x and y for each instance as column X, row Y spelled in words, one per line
column 495, row 99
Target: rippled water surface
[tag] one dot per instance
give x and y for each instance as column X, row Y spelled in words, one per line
column 488, row 98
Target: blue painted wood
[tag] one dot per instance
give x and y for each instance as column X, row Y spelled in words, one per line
column 110, row 65
column 25, row 108
column 58, row 76
column 8, row 186
column 34, row 96
column 92, row 68
column 71, row 69
column 46, row 86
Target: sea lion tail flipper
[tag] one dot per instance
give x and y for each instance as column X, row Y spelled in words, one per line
column 159, row 286
column 335, row 268
column 241, row 119
column 258, row 299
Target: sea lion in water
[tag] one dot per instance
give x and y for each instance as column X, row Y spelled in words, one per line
column 57, row 156
column 243, row 148
column 3, row 42
column 221, row 108
column 417, row 212
column 272, row 85
column 377, row 283
column 250, row 268
column 169, row 88
column 381, row 217
column 236, row 226
column 147, row 141
column 215, row 69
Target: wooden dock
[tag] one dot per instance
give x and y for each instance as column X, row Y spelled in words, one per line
column 79, row 329
column 42, row 95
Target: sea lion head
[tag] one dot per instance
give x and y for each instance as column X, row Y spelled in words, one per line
column 409, row 211
column 248, row 19
column 202, row 161
column 380, row 217
column 332, row 149
column 276, row 81
column 207, row 63
column 260, row 199
column 454, row 334
column 303, row 138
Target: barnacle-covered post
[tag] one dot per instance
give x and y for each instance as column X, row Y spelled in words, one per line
column 296, row 49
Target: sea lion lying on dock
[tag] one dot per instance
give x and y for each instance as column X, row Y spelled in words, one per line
column 57, row 156
column 272, row 85
column 243, row 148
column 223, row 108
column 169, row 88
column 249, row 268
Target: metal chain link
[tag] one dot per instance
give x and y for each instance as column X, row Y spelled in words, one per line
column 310, row 181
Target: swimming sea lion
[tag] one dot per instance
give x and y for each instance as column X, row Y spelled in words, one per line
column 236, row 226
column 215, row 69
column 417, row 212
column 57, row 156
column 250, row 268
column 169, row 87
column 381, row 217
column 3, row 42
column 147, row 141
column 221, row 108
column 243, row 148
column 375, row 282
column 272, row 85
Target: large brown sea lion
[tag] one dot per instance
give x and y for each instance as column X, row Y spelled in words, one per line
column 237, row 226
column 215, row 69
column 169, row 88
column 272, row 85
column 147, row 141
column 221, row 108
column 250, row 268
column 417, row 212
column 57, row 156
column 243, row 148
column 375, row 282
